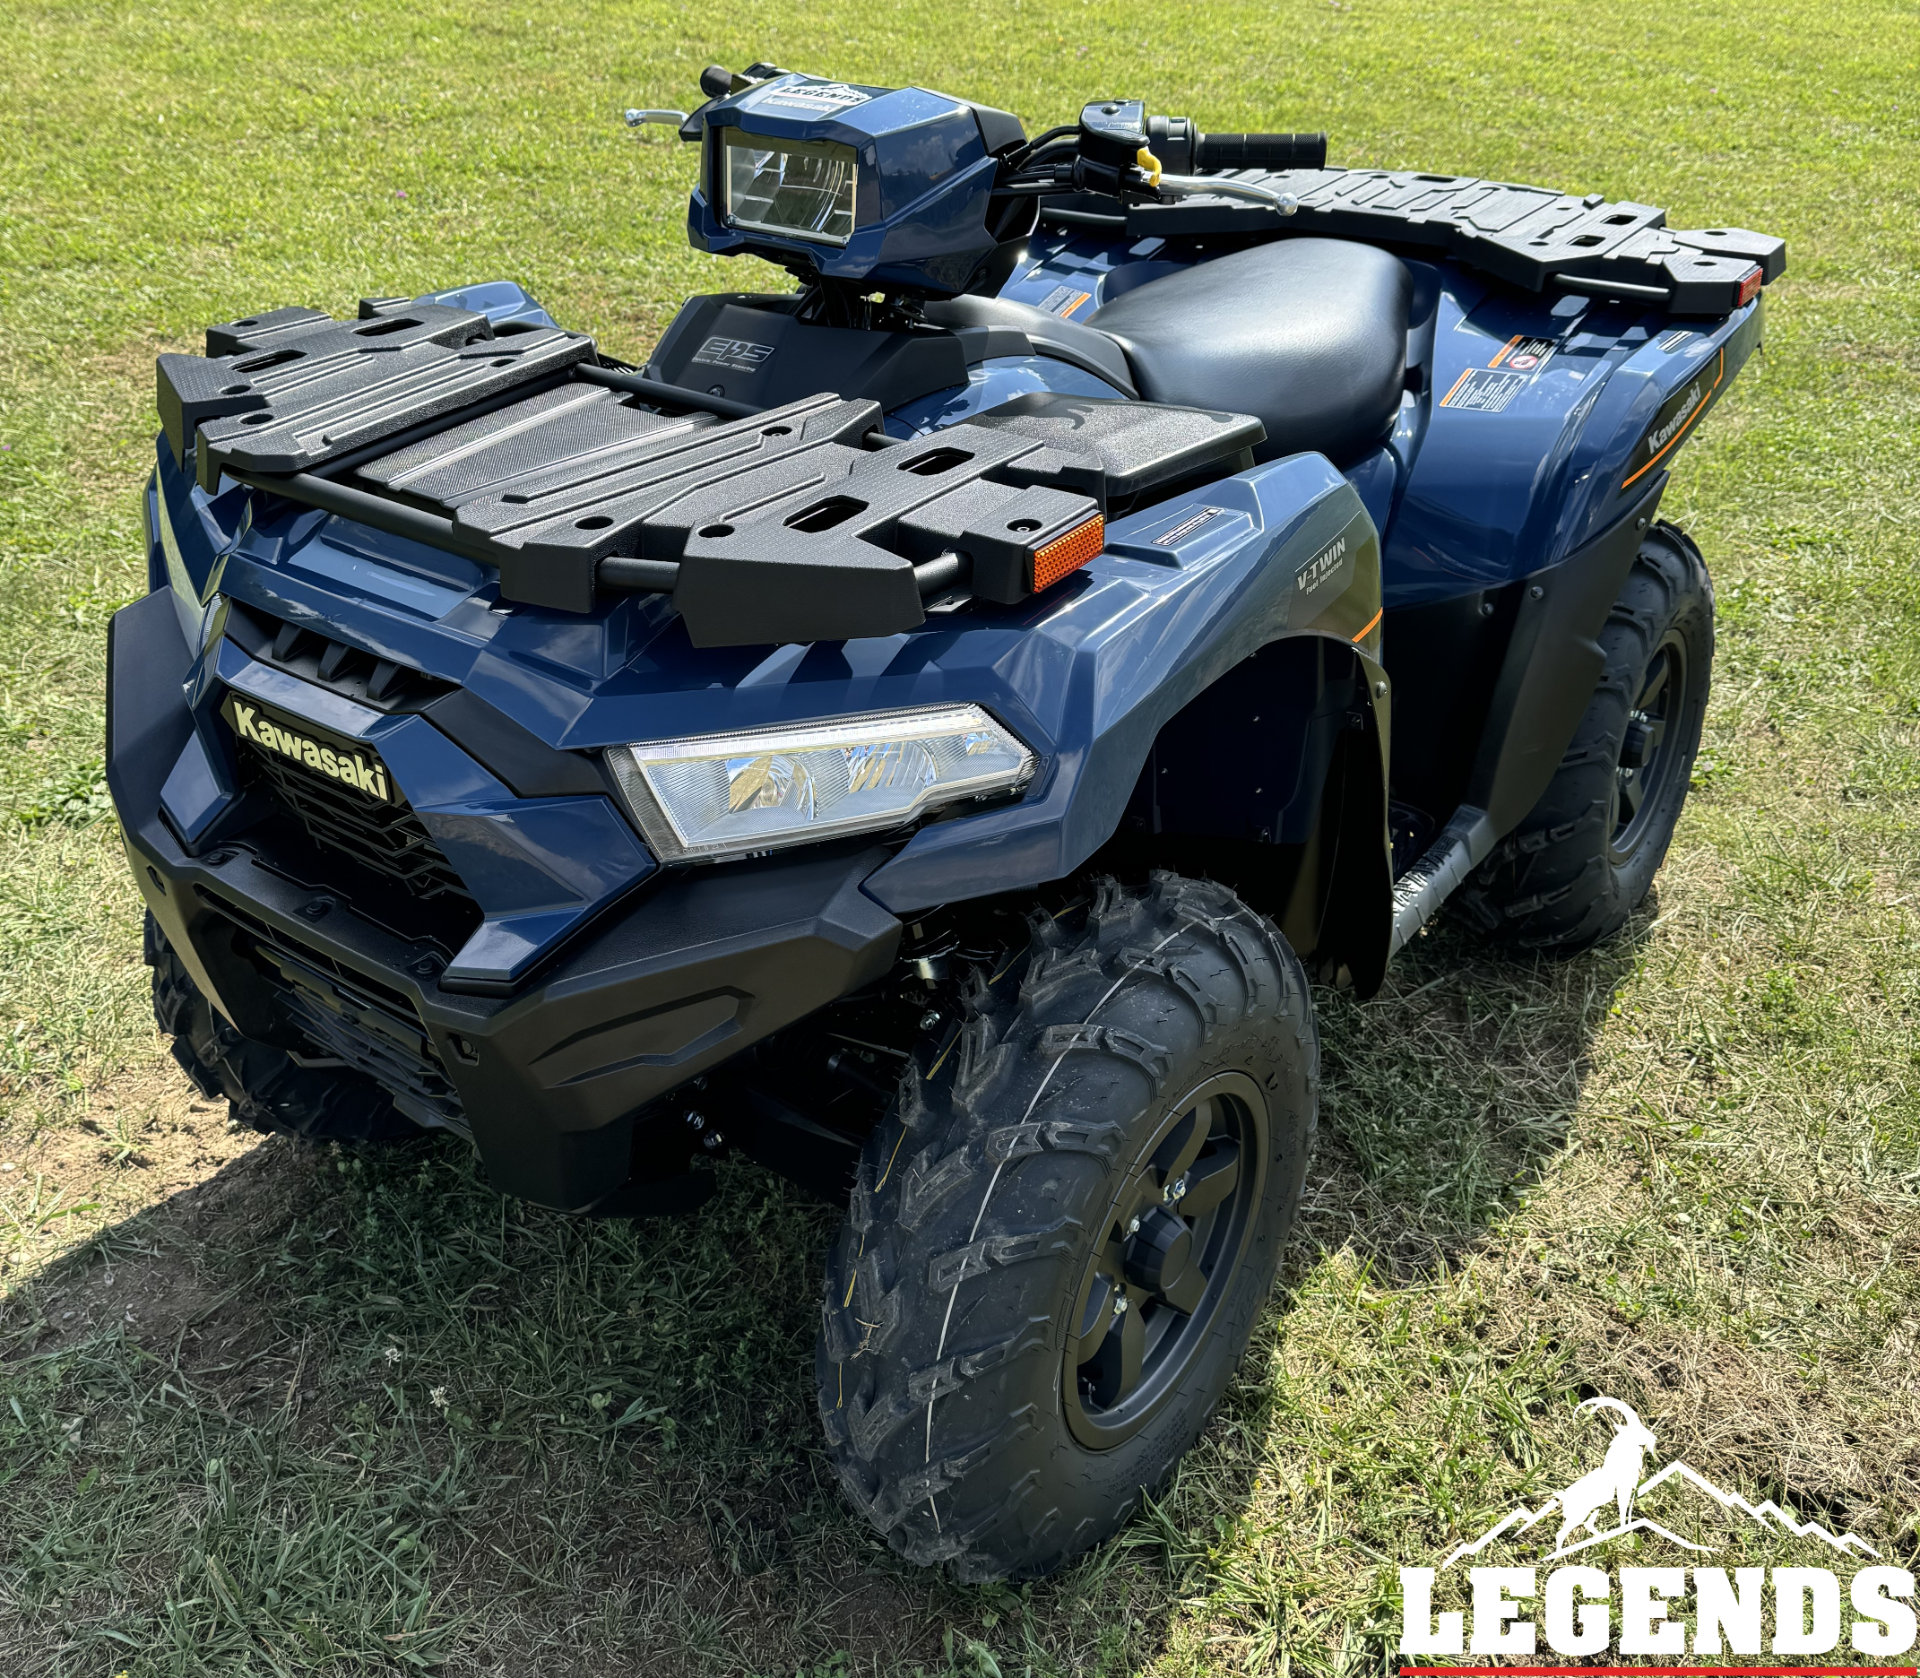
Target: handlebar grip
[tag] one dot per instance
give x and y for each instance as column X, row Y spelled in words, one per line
column 1260, row 151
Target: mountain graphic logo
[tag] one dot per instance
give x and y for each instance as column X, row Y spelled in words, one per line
column 1616, row 1486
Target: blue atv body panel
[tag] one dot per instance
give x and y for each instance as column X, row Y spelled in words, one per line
column 1523, row 465
column 1086, row 675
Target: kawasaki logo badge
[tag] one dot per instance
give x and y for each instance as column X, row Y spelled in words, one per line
column 1690, row 399
column 1319, row 568
column 361, row 771
column 1675, row 417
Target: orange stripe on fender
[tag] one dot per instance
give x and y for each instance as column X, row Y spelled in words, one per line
column 1372, row 624
column 1673, row 442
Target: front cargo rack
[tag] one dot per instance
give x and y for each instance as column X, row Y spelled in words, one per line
column 798, row 523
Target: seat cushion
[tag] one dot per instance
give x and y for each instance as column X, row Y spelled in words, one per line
column 1310, row 335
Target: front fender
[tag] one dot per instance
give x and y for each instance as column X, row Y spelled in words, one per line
column 1184, row 593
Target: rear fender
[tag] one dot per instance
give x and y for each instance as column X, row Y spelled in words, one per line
column 1548, row 422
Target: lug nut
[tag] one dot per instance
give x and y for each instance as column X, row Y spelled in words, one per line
column 1134, row 1227
column 713, row 1141
column 1176, row 1191
column 1120, row 1306
column 930, row 1019
column 695, row 1120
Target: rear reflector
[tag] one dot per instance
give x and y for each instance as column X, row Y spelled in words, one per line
column 1750, row 284
column 1068, row 553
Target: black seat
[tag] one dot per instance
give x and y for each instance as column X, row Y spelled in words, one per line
column 1310, row 335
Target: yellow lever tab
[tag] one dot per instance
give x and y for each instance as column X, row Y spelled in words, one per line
column 1149, row 166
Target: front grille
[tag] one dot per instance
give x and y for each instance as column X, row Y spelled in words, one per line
column 387, row 838
column 372, row 1027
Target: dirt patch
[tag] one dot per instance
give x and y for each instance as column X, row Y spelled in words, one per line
column 68, row 1173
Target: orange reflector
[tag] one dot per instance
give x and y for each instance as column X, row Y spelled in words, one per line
column 1069, row 552
column 1749, row 288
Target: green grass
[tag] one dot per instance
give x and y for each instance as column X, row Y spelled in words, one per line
column 273, row 1412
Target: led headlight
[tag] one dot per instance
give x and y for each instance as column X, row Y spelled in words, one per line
column 723, row 795
column 803, row 189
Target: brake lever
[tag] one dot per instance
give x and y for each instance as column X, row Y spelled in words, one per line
column 672, row 119
column 1219, row 186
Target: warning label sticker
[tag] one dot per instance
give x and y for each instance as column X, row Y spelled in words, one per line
column 1482, row 390
column 1521, row 354
column 1063, row 300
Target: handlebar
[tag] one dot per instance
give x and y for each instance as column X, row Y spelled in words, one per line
column 1117, row 149
column 1260, row 151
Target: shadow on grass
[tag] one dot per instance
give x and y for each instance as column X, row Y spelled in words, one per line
column 1449, row 1092
column 358, row 1410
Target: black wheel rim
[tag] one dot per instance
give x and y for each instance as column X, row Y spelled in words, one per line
column 1175, row 1236
column 1649, row 748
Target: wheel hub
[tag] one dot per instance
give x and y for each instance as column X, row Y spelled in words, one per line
column 1174, row 1237
column 1645, row 763
column 1160, row 1257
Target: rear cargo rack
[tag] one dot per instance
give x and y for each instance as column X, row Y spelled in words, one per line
column 1529, row 237
column 798, row 523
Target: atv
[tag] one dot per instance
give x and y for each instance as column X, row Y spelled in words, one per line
column 926, row 728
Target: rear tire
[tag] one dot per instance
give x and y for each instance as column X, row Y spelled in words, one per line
column 1060, row 1241
column 1585, row 856
column 263, row 1086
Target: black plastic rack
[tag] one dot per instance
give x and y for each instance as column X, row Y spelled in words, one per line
column 1529, row 237
column 794, row 523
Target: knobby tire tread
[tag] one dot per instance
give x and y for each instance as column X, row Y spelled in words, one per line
column 943, row 1328
column 264, row 1088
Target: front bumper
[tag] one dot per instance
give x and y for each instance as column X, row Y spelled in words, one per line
column 681, row 974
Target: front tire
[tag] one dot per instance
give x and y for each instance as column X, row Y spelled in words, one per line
column 1061, row 1240
column 1585, row 856
column 264, row 1087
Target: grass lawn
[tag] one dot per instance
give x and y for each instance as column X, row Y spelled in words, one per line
column 273, row 1411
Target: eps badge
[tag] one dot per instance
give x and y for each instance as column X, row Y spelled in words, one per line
column 1581, row 1608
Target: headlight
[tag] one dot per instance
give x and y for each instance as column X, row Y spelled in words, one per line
column 803, row 189
column 723, row 795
